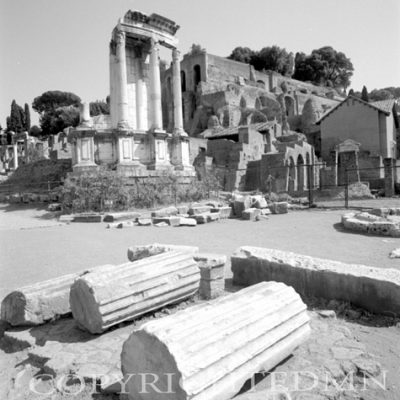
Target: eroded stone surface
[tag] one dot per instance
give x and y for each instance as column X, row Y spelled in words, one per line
column 215, row 347
column 378, row 223
column 395, row 253
column 375, row 289
column 140, row 251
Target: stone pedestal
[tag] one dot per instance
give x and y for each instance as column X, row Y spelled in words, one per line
column 208, row 351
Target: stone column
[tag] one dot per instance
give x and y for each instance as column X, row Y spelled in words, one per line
column 15, row 150
column 122, row 90
column 155, row 88
column 84, row 114
column 177, row 93
column 141, row 96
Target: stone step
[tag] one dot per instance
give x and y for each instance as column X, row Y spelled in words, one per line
column 207, row 352
column 112, row 294
column 122, row 216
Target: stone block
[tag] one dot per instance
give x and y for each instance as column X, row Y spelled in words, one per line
column 266, row 211
column 109, row 295
column 143, row 251
column 35, row 304
column 157, row 220
column 182, row 209
column 374, row 289
column 25, row 197
column 15, row 198
column 164, row 212
column 197, row 210
column 371, row 223
column 241, row 204
column 258, row 201
column 182, row 221
column 33, row 197
column 122, row 216
column 211, row 349
column 280, row 207
column 213, row 216
column 54, row 207
column 251, row 214
column 125, row 224
column 144, row 221
column 201, row 218
column 224, row 211
column 87, row 217
column 3, row 198
column 395, row 253
column 66, row 218
column 212, row 266
column 211, row 289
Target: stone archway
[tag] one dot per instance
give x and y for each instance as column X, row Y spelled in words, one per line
column 300, row 173
column 196, row 76
column 289, row 105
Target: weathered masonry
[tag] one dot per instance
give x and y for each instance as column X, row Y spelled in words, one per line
column 132, row 136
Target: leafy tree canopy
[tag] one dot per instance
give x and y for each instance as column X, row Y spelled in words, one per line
column 195, row 49
column 364, row 94
column 324, row 66
column 35, row 131
column 272, row 58
column 53, row 99
column 99, row 107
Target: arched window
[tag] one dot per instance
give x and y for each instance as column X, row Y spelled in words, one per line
column 183, row 81
column 196, row 75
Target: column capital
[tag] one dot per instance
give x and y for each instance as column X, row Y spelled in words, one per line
column 120, row 37
column 176, row 54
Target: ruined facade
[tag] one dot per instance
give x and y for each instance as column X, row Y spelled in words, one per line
column 132, row 138
column 248, row 118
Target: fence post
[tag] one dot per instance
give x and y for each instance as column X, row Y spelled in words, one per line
column 346, row 189
column 310, row 184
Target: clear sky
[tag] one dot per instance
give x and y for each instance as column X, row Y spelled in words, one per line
column 63, row 44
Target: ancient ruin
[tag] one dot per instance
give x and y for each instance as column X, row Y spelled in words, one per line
column 384, row 222
column 374, row 289
column 208, row 351
column 133, row 137
column 111, row 294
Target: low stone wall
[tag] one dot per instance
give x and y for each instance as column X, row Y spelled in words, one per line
column 372, row 223
column 374, row 289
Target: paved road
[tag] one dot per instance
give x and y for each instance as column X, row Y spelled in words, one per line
column 34, row 247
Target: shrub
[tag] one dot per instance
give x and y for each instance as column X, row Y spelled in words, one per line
column 106, row 190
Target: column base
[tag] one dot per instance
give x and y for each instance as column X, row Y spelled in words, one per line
column 85, row 167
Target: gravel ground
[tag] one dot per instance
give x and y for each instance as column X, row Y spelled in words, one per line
column 34, row 246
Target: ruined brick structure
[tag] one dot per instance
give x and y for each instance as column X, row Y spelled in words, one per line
column 248, row 117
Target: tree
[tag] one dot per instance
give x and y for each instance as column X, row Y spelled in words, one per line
column 35, row 131
column 364, row 94
column 99, row 107
column 351, row 92
column 27, row 117
column 195, row 49
column 242, row 54
column 324, row 66
column 16, row 120
column 57, row 110
column 381, row 94
column 275, row 59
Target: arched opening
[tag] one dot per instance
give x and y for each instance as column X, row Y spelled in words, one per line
column 261, row 84
column 196, row 75
column 291, row 175
column 289, row 104
column 300, row 173
column 183, row 81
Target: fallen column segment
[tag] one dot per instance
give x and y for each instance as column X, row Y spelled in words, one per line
column 207, row 352
column 35, row 304
column 374, row 289
column 147, row 250
column 109, row 295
